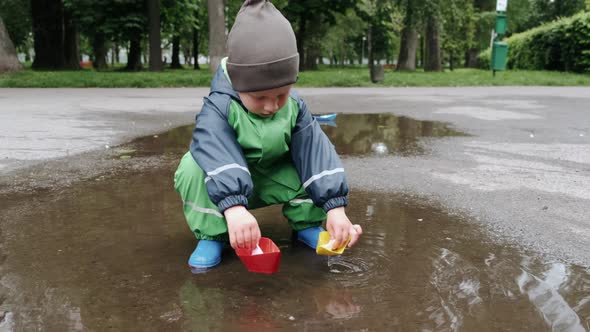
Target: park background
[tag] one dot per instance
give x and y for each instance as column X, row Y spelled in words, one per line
column 178, row 43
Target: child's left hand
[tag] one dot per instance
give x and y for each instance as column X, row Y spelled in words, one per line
column 340, row 228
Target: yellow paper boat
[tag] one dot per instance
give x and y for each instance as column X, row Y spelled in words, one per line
column 324, row 247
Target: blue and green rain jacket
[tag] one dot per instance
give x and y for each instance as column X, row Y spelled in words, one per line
column 229, row 143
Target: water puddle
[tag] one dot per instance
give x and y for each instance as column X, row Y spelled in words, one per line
column 112, row 254
column 383, row 134
column 352, row 134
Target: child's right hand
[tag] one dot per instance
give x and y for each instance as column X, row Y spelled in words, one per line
column 242, row 227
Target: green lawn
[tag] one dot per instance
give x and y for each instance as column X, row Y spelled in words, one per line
column 326, row 77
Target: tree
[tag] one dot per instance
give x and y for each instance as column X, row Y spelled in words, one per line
column 17, row 20
column 129, row 18
column 543, row 11
column 71, row 41
column 48, row 34
column 344, row 40
column 55, row 36
column 182, row 20
column 433, row 61
column 217, row 37
column 95, row 20
column 527, row 14
column 384, row 24
column 458, row 28
column 201, row 24
column 311, row 18
column 8, row 59
column 118, row 21
column 154, row 36
column 409, row 35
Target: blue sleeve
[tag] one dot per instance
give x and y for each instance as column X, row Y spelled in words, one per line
column 317, row 162
column 215, row 148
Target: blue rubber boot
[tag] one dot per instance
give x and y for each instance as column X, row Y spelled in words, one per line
column 310, row 236
column 206, row 255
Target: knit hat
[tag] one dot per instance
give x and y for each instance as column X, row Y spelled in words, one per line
column 262, row 49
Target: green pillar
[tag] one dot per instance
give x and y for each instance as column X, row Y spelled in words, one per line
column 500, row 49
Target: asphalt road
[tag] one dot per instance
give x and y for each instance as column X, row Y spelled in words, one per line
column 523, row 172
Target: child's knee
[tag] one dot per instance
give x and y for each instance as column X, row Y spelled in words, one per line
column 188, row 173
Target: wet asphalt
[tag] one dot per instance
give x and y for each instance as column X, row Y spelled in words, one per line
column 522, row 169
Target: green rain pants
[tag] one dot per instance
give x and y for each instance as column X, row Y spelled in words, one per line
column 205, row 220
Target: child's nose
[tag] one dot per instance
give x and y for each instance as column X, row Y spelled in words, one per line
column 271, row 106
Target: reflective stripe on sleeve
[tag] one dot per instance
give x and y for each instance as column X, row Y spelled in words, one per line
column 321, row 175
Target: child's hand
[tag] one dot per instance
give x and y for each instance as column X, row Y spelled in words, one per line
column 340, row 228
column 242, row 227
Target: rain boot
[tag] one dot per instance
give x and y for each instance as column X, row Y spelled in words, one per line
column 206, row 255
column 310, row 236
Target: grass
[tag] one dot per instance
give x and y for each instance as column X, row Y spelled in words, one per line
column 325, row 77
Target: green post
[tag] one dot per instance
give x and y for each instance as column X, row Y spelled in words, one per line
column 499, row 49
column 501, row 23
column 499, row 56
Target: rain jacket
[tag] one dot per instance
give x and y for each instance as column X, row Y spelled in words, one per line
column 229, row 142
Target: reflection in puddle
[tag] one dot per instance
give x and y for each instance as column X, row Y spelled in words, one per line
column 543, row 293
column 383, row 134
column 352, row 134
column 112, row 254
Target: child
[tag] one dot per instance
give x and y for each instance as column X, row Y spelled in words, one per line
column 255, row 144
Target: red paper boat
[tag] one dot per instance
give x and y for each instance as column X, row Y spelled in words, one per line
column 266, row 262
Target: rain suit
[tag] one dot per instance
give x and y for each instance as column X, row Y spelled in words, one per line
column 239, row 158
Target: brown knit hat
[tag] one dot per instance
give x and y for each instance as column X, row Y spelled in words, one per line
column 262, row 49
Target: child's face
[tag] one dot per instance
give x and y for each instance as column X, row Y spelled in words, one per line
column 267, row 102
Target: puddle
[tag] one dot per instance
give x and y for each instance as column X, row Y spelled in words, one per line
column 352, row 134
column 112, row 254
column 383, row 134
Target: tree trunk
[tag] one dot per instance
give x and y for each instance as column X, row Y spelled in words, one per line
column 155, row 36
column 187, row 52
column 433, row 54
column 312, row 54
column 196, row 48
column 175, row 53
column 422, row 56
column 134, row 57
column 113, row 51
column 100, row 51
column 48, row 34
column 370, row 48
column 471, row 58
column 8, row 59
column 311, row 60
column 116, row 50
column 408, row 49
column 71, row 43
column 301, row 41
column 217, row 37
column 409, row 40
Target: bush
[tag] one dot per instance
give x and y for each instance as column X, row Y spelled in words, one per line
column 562, row 45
